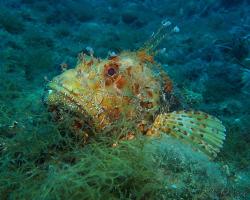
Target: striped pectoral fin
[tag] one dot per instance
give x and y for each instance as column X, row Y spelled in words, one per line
column 202, row 131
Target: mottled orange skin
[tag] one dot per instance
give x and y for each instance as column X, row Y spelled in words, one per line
column 123, row 87
column 145, row 57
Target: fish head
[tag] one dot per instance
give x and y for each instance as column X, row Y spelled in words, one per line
column 103, row 91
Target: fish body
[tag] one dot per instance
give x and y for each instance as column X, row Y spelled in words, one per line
column 131, row 88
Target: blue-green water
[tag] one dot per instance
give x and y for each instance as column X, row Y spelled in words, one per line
column 208, row 61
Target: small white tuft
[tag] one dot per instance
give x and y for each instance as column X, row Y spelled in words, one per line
column 176, row 29
column 166, row 23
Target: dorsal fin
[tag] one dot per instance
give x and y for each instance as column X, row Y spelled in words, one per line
column 166, row 29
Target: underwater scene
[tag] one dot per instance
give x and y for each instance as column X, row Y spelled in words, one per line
column 125, row 99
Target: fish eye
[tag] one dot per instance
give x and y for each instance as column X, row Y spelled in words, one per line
column 111, row 71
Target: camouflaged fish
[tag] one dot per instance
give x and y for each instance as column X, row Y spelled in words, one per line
column 131, row 87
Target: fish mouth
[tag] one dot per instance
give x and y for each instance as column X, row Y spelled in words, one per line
column 77, row 101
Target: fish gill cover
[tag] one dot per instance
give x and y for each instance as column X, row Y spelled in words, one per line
column 207, row 62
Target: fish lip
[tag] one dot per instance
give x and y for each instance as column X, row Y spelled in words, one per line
column 54, row 89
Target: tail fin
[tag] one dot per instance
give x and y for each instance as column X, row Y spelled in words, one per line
column 202, row 131
column 165, row 29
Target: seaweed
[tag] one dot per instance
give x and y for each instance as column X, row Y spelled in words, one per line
column 51, row 165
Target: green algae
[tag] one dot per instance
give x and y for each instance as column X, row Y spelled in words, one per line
column 55, row 164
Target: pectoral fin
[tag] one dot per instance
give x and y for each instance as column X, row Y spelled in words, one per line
column 202, row 131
